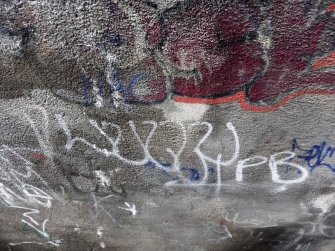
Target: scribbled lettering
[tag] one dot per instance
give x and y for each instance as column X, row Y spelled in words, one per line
column 175, row 170
column 316, row 156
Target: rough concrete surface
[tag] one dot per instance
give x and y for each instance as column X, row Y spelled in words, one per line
column 167, row 125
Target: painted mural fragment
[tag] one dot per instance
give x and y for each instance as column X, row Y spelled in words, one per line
column 217, row 52
column 167, row 125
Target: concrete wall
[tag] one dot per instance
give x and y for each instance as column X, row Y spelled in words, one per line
column 167, row 125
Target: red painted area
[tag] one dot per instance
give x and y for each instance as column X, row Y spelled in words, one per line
column 331, row 8
column 212, row 44
column 217, row 51
column 295, row 42
column 204, row 51
column 210, row 49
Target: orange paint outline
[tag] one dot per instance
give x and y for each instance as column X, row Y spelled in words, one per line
column 245, row 105
column 327, row 61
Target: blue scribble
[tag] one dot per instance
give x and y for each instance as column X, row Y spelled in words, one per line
column 101, row 85
column 87, row 85
column 133, row 83
column 117, row 40
column 126, row 93
column 195, row 174
column 152, row 165
column 115, row 85
column 317, row 156
column 112, row 7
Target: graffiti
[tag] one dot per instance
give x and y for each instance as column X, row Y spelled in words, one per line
column 135, row 125
column 317, row 156
column 16, row 193
column 209, row 174
column 175, row 168
column 273, row 165
column 238, row 52
column 118, row 91
column 103, row 179
column 130, row 208
column 280, row 57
